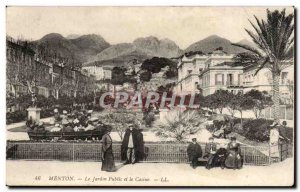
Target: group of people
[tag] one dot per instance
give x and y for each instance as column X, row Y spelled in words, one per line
column 67, row 122
column 222, row 128
column 132, row 148
column 225, row 156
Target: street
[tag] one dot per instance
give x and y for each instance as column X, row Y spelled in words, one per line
column 57, row 173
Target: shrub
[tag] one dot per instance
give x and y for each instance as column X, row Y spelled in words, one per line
column 179, row 125
column 46, row 113
column 17, row 116
column 257, row 129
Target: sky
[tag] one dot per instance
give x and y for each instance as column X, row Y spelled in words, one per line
column 183, row 25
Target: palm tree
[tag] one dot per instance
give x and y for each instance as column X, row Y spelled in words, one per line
column 274, row 38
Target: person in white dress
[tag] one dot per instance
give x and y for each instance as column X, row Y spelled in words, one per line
column 274, row 141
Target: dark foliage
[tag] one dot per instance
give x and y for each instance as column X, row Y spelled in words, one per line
column 257, row 129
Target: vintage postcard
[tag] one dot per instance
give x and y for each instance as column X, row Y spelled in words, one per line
column 150, row 96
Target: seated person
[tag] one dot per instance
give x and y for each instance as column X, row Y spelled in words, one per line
column 56, row 115
column 83, row 120
column 78, row 127
column 90, row 126
column 40, row 127
column 68, row 128
column 210, row 151
column 234, row 158
column 56, row 128
column 64, row 121
column 29, row 122
column 99, row 126
column 220, row 132
column 220, row 156
column 64, row 115
column 89, row 113
column 31, row 125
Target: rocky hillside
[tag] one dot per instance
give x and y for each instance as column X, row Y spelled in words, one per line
column 140, row 49
column 81, row 49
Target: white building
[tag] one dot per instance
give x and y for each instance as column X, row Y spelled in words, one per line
column 262, row 81
column 99, row 72
column 189, row 69
column 207, row 73
column 226, row 76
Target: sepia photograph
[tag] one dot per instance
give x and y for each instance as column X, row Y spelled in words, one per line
column 150, row 96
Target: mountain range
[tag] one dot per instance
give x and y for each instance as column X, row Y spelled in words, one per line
column 93, row 49
column 80, row 49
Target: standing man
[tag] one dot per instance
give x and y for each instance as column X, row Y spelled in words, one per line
column 131, row 145
column 194, row 151
column 283, row 131
column 210, row 151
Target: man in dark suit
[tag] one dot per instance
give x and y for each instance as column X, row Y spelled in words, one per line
column 210, row 151
column 132, row 145
column 194, row 151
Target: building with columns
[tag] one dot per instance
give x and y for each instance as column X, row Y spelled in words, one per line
column 226, row 76
column 190, row 67
column 206, row 73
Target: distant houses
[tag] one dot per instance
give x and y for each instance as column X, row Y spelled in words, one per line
column 99, row 72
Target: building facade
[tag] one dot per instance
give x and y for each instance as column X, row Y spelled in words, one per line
column 221, row 76
column 190, row 67
column 25, row 69
column 206, row 73
column 262, row 81
column 20, row 60
column 99, row 72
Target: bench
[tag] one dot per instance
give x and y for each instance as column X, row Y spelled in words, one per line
column 83, row 135
column 201, row 159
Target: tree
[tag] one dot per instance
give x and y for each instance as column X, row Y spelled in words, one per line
column 120, row 121
column 275, row 40
column 258, row 100
column 233, row 104
column 239, row 102
column 179, row 125
column 246, row 57
column 209, row 102
column 220, row 99
column 243, row 103
column 155, row 64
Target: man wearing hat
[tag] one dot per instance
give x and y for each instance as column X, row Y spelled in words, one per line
column 194, row 151
column 274, row 141
column 56, row 115
column 210, row 151
column 129, row 146
column 64, row 114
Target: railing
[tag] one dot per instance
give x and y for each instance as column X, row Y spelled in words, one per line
column 233, row 83
column 154, row 152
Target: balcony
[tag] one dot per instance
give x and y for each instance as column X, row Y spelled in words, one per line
column 233, row 83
